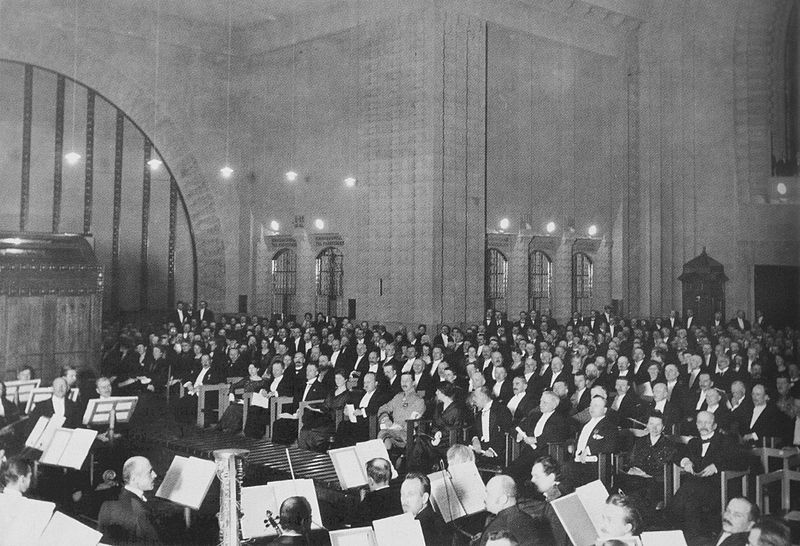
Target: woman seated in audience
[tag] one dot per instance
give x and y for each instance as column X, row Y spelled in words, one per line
column 275, row 384
column 319, row 423
column 231, row 420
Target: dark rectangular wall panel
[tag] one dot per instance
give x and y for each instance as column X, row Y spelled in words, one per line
column 58, row 153
column 120, row 136
column 173, row 222
column 27, row 118
column 148, row 147
column 88, row 192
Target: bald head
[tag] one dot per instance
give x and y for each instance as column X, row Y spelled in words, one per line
column 138, row 472
column 501, row 492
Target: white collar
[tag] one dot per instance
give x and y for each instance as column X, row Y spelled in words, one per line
column 136, row 491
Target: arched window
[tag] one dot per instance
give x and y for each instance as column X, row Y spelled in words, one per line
column 330, row 277
column 540, row 281
column 284, row 281
column 582, row 279
column 496, row 280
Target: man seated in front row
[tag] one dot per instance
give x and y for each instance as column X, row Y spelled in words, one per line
column 350, row 433
column 597, row 436
column 492, row 422
column 392, row 415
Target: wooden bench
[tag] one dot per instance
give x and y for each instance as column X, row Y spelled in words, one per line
column 222, row 390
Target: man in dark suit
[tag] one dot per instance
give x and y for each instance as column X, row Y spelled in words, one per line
column 521, row 403
column 741, row 407
column 415, row 493
column 535, row 433
column 391, row 382
column 179, row 315
column 738, row 518
column 128, row 520
column 492, row 422
column 626, row 405
column 764, row 419
column 739, row 322
column 297, row 344
column 599, row 435
column 670, row 410
column 381, row 501
column 716, row 323
column 285, row 428
column 203, row 313
column 702, row 459
column 295, row 515
column 59, row 404
column 582, row 396
column 723, row 375
column 505, row 515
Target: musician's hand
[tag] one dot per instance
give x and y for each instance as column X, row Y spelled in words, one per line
column 582, row 457
column 151, row 388
column 476, row 445
column 710, row 470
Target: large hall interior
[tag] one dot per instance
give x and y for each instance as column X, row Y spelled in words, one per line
column 327, row 259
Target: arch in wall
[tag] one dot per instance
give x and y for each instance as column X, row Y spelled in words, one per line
column 582, row 282
column 540, row 281
column 130, row 96
column 46, row 118
column 496, row 288
column 330, row 282
column 284, row 281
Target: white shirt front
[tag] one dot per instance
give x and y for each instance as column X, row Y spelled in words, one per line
column 334, row 357
column 407, row 367
column 273, row 388
column 435, row 367
column 704, row 445
column 200, row 376
column 539, row 428
column 365, row 399
column 58, row 406
column 497, row 387
column 514, row 402
column 309, row 384
column 700, row 400
column 583, row 439
column 485, row 433
column 661, row 405
column 757, row 411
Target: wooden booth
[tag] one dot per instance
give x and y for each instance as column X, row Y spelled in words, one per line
column 703, row 281
column 51, row 302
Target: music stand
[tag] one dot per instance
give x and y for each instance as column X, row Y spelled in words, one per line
column 110, row 411
column 20, row 391
column 39, row 394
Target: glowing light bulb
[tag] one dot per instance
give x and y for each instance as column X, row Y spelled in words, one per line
column 319, row 224
column 274, row 225
column 550, row 227
column 72, row 157
column 154, row 164
column 291, row 176
column 226, row 171
column 504, row 223
column 781, row 188
column 592, row 230
column 349, row 181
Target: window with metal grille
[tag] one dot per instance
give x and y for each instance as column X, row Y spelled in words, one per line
column 496, row 280
column 582, row 279
column 330, row 280
column 540, row 281
column 284, row 281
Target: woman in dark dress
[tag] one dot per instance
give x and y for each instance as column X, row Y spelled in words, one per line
column 232, row 418
column 319, row 424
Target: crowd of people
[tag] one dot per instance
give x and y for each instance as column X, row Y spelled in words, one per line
column 650, row 392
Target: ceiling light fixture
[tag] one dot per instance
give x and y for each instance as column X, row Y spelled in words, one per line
column 592, row 230
column 226, row 170
column 72, row 156
column 550, row 227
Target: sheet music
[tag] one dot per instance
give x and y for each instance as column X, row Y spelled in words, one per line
column 36, row 433
column 360, row 536
column 349, row 412
column 187, row 481
column 259, row 400
column 98, row 410
column 593, row 497
column 444, row 498
column 38, row 395
column 402, row 530
column 370, row 450
column 576, row 522
column 349, row 469
column 663, row 538
column 64, row 530
column 24, row 389
column 469, row 486
column 80, row 443
column 23, row 520
column 52, row 454
column 256, row 500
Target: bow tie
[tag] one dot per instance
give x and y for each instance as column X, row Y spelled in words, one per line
column 706, row 441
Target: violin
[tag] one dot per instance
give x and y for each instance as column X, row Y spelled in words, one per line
column 272, row 522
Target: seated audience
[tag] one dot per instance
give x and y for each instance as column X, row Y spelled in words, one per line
column 231, row 420
column 286, row 426
column 275, row 386
column 319, row 422
column 128, row 520
column 415, row 493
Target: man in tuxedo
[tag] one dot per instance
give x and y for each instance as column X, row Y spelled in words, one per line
column 598, row 435
column 366, row 405
column 285, row 427
column 677, row 390
column 765, row 419
column 701, row 461
column 716, row 323
column 639, row 367
column 521, row 403
column 443, row 338
column 505, row 515
column 739, row 322
column 503, row 389
column 535, row 433
column 179, row 315
column 492, row 421
column 391, row 382
column 626, row 405
column 669, row 409
column 581, row 398
column 724, row 375
column 128, row 519
column 738, row 518
column 59, row 404
column 203, row 313
column 297, row 343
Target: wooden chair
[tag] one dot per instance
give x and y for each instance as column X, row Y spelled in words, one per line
column 606, row 462
column 222, row 390
column 415, row 427
column 667, row 476
column 276, row 407
column 788, row 472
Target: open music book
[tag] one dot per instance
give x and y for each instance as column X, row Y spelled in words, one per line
column 351, row 462
column 458, row 491
column 402, row 530
column 69, row 447
column 43, row 431
column 38, row 394
column 23, row 520
column 187, row 481
column 256, row 500
column 20, row 391
column 98, row 410
column 580, row 512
